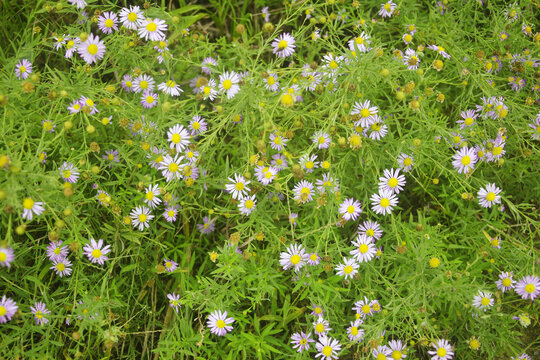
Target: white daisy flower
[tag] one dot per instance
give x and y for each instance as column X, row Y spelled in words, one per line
column 92, row 49
column 143, row 83
column 349, row 268
column 141, row 217
column 327, row 348
column 489, row 195
column 209, row 91
column 170, row 87
column 153, row 29
column 172, row 168
column 265, row 174
column 228, row 84
column 392, row 181
column 61, row 267
column 443, row 350
column 31, row 207
column 464, row 160
column 370, row 229
column 247, row 204
column 179, row 137
column 365, row 249
column 284, row 45
column 151, row 194
column 383, row 202
column 405, row 162
column 355, row 334
column 366, row 111
column 322, row 140
column 131, row 18
column 270, row 82
column 107, row 22
column 360, row 43
column 238, row 187
column 483, row 301
column 321, row 327
column 387, row 9
column 295, row 256
column 219, row 323
column 303, row 191
column 350, row 209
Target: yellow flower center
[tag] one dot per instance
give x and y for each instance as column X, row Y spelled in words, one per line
column 363, row 248
column 303, row 341
column 143, row 84
column 408, row 38
column 466, row 160
column 287, row 100
column 207, row 90
column 227, row 84
column 60, row 267
column 132, row 17
column 270, row 80
column 365, row 113
column 66, row 174
column 28, row 203
column 295, row 259
column 282, row 45
column 22, row 69
column 384, row 202
column 142, row 218
column 530, row 288
column 70, row 44
column 3, row 310
column 239, row 186
column 304, row 191
column 348, row 269
column 319, row 328
column 396, row 354
column 149, row 99
column 171, row 84
column 149, row 195
column 327, row 351
column 350, row 209
column 387, row 7
column 196, row 125
column 507, row 282
column 381, row 356
column 497, row 150
column 469, row 121
column 151, row 27
column 309, row 165
column 170, row 213
column 393, row 182
column 370, row 232
column 359, row 40
column 220, row 324
column 366, row 309
column 96, row 253
column 3, row 256
column 456, row 139
column 318, row 310
column 485, row 301
column 176, row 138
column 109, row 23
column 56, row 251
column 354, row 331
column 249, row 204
column 333, row 65
column 441, row 352
column 490, row 196
column 92, row 49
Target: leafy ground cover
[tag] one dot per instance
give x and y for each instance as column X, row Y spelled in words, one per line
column 286, row 180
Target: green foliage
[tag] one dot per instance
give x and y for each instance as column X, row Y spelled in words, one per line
column 437, row 250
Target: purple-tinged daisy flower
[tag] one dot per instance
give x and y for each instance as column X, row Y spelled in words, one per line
column 208, row 65
column 350, row 209
column 489, row 195
column 108, row 22
column 313, row 259
column 170, row 213
column 7, row 255
column 40, row 310
column 62, row 267
column 131, row 18
column 152, row 29
column 170, row 265
column 149, row 99
column 284, row 45
column 387, row 9
column 55, row 251
column 505, row 282
column 300, row 341
column 322, row 140
column 8, row 308
column 174, row 301
column 327, row 348
column 92, row 49
column 317, row 310
column 528, row 287
column 207, row 227
column 31, row 207
column 198, row 125
column 443, row 350
column 69, row 173
column 96, row 252
column 353, row 332
column 219, row 323
column 23, row 69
